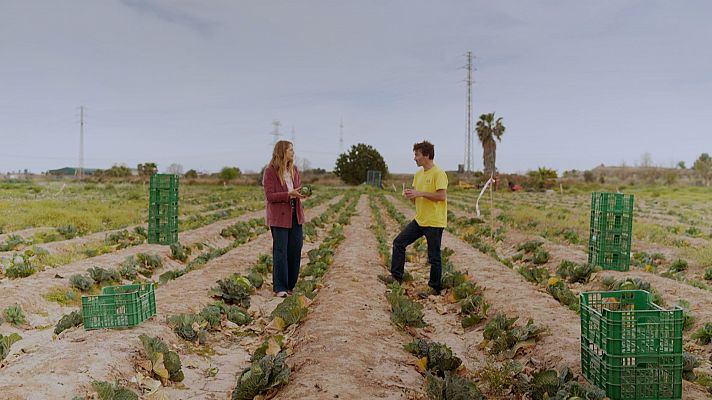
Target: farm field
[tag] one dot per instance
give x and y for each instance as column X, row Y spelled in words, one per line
column 343, row 334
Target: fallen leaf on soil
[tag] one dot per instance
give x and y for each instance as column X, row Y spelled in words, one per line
column 146, row 383
column 158, row 395
column 159, row 368
column 422, row 364
column 272, row 347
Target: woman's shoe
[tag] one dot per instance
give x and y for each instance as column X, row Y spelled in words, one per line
column 281, row 294
column 289, row 292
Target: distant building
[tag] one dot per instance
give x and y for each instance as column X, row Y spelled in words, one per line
column 70, row 171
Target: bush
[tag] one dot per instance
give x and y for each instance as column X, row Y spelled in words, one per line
column 15, row 315
column 574, row 272
column 179, row 252
column 107, row 391
column 708, row 274
column 70, row 320
column 353, row 167
column 81, row 282
column 20, row 267
column 678, row 265
column 541, row 256
column 104, row 276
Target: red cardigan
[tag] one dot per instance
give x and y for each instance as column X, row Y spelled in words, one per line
column 279, row 211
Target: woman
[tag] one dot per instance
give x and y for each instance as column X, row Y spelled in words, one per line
column 285, row 216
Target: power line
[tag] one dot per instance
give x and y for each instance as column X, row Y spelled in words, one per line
column 468, row 144
column 341, row 136
column 80, row 171
column 275, row 133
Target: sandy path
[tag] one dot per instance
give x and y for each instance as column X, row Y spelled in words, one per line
column 63, row 368
column 443, row 321
column 347, row 348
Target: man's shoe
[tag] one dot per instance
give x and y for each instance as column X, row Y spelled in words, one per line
column 388, row 279
column 428, row 292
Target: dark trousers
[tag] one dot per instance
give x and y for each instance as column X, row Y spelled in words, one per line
column 286, row 255
column 410, row 234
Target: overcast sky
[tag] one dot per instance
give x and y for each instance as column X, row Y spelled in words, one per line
column 198, row 82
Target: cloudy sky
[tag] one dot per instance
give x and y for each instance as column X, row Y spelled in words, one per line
column 199, row 82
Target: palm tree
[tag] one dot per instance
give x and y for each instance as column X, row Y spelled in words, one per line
column 487, row 130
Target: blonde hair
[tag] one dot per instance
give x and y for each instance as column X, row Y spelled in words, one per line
column 279, row 162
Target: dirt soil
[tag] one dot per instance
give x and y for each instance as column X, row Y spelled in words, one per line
column 346, row 348
column 671, row 291
column 41, row 367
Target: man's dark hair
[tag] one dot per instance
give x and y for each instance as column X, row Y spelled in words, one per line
column 426, row 148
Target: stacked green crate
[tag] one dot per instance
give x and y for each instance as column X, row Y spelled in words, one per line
column 630, row 347
column 610, row 230
column 163, row 209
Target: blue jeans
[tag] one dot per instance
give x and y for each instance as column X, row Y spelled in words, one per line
column 286, row 255
column 410, row 234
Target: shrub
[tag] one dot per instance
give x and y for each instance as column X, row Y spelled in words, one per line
column 81, row 282
column 104, row 276
column 179, row 252
column 20, row 267
column 439, row 356
column 575, row 273
column 264, row 374
column 67, row 321
column 171, row 368
column 678, row 265
column 15, row 315
column 541, row 256
column 704, row 334
column 353, row 167
column 6, row 342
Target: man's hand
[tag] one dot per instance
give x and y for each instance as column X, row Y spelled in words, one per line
column 440, row 195
column 411, row 194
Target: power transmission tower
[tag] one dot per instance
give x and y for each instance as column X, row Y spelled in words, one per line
column 468, row 144
column 80, row 170
column 294, row 136
column 275, row 132
column 341, row 136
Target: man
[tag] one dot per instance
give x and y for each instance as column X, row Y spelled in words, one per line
column 429, row 194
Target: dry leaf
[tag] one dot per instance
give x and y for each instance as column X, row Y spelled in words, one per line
column 422, row 364
column 158, row 395
column 146, row 365
column 272, row 347
column 159, row 368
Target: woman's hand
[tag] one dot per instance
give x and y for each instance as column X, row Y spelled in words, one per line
column 294, row 194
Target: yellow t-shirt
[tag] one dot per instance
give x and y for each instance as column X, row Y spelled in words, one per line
column 428, row 212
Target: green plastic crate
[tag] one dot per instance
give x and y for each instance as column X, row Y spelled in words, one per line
column 162, row 236
column 615, row 203
column 120, row 306
column 610, row 232
column 631, row 347
column 163, row 214
column 160, row 197
column 164, row 181
column 160, row 220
